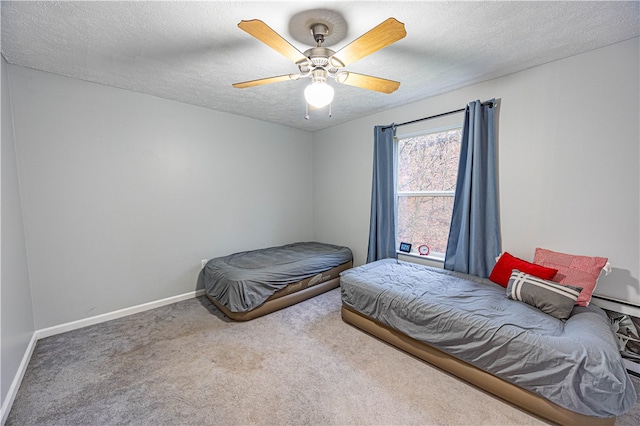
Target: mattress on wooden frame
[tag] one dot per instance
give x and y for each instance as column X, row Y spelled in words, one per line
column 494, row 385
column 291, row 294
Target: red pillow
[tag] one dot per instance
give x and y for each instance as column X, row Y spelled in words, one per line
column 507, row 263
column 579, row 271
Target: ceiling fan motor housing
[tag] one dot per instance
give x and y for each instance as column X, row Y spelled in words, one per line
column 320, row 57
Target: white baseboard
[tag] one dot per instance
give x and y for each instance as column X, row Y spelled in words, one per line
column 63, row 328
column 74, row 325
column 616, row 305
column 17, row 380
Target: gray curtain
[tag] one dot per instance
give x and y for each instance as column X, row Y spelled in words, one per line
column 382, row 226
column 474, row 237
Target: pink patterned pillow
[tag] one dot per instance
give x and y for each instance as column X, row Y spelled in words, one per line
column 578, row 271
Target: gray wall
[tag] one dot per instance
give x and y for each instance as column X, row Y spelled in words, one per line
column 568, row 162
column 16, row 322
column 124, row 193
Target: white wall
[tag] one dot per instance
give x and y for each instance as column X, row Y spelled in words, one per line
column 569, row 156
column 123, row 193
column 16, row 312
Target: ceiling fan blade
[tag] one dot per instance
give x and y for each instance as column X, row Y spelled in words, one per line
column 265, row 34
column 269, row 80
column 375, row 39
column 368, row 82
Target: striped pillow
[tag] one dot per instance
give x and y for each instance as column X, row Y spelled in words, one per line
column 551, row 298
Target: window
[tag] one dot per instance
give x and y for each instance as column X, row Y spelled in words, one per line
column 427, row 170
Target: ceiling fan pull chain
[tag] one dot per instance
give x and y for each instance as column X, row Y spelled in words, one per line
column 330, row 109
column 306, row 110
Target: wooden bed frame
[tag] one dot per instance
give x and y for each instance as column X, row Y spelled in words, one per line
column 509, row 392
column 291, row 294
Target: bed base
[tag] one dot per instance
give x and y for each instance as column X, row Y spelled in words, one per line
column 496, row 386
column 290, row 295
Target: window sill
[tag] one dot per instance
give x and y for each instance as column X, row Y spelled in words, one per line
column 429, row 258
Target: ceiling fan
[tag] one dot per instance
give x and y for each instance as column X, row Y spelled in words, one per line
column 320, row 63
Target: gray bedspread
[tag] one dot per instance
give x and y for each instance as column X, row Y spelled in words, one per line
column 243, row 281
column 575, row 364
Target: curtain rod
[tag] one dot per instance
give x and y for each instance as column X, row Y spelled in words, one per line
column 490, row 103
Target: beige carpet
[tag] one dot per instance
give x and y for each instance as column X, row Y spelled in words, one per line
column 186, row 364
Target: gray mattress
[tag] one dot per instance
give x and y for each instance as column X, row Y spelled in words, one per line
column 575, row 364
column 243, row 281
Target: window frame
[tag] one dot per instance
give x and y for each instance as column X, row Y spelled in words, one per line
column 397, row 194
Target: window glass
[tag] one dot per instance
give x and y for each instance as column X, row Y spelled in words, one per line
column 427, row 170
column 425, row 220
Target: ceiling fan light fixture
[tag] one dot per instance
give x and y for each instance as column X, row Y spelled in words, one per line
column 318, row 94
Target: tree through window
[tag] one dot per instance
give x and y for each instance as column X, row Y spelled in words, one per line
column 427, row 170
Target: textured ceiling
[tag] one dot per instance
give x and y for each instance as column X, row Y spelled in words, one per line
column 193, row 51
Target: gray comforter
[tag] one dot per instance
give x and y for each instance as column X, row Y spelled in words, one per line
column 575, row 364
column 243, row 281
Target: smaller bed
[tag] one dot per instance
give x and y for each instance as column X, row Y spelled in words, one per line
column 250, row 284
